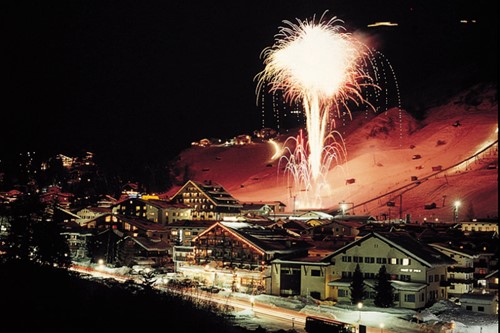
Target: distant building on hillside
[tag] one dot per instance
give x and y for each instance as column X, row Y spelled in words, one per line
column 208, row 200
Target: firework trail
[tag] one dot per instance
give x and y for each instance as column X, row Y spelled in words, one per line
column 320, row 65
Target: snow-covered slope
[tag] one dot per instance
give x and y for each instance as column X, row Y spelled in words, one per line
column 381, row 151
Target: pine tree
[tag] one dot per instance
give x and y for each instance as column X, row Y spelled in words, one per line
column 18, row 240
column 384, row 297
column 357, row 286
column 51, row 248
column 34, row 237
column 20, row 217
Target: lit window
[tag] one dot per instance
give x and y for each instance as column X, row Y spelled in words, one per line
column 405, row 262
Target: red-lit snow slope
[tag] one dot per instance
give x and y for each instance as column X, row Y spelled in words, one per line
column 458, row 160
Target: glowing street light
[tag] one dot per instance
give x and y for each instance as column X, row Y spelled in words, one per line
column 360, row 306
column 343, row 206
column 381, row 327
column 456, row 205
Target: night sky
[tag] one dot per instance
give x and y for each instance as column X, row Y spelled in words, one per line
column 135, row 80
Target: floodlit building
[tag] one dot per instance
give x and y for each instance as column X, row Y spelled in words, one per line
column 460, row 277
column 207, row 200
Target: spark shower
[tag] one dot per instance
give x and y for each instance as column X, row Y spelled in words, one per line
column 326, row 69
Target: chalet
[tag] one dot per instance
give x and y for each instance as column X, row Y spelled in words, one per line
column 183, row 232
column 205, row 142
column 54, row 195
column 10, row 196
column 242, row 139
column 241, row 244
column 91, row 213
column 106, row 221
column 478, row 226
column 243, row 247
column 103, row 245
column 265, row 133
column 418, row 271
column 297, row 227
column 252, row 209
column 154, row 210
column 208, row 200
column 460, row 276
column 106, row 201
column 136, row 226
column 134, row 250
column 78, row 239
column 63, row 215
column 262, row 208
column 312, row 215
column 345, row 227
column 129, row 190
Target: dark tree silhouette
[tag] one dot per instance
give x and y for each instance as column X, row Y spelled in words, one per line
column 33, row 236
column 50, row 247
column 21, row 215
column 357, row 286
column 384, row 297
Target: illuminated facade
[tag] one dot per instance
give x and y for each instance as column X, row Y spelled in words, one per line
column 418, row 272
column 208, row 200
column 460, row 276
column 244, row 247
column 157, row 211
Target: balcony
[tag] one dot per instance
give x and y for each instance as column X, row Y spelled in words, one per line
column 460, row 269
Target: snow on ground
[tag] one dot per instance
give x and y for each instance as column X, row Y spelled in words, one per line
column 437, row 318
column 380, row 150
column 396, row 320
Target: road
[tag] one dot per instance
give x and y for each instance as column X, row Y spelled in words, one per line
column 256, row 313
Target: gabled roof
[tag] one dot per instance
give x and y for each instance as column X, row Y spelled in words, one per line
column 405, row 243
column 141, row 223
column 65, row 211
column 255, row 206
column 260, row 238
column 163, row 204
column 72, row 227
column 350, row 223
column 101, row 210
column 312, row 215
column 296, row 225
column 464, row 252
column 191, row 224
column 262, row 203
column 213, row 192
column 359, row 218
column 150, row 244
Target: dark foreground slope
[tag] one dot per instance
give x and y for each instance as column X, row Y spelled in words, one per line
column 41, row 299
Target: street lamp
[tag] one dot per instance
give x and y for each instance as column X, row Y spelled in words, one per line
column 456, row 205
column 381, row 327
column 360, row 305
column 343, row 207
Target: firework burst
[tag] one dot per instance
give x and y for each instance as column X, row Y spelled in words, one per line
column 319, row 65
